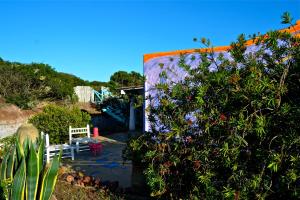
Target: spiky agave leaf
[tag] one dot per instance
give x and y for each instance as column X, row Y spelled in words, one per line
column 19, row 154
column 41, row 153
column 49, row 179
column 10, row 163
column 18, row 185
column 4, row 167
column 26, row 144
column 33, row 172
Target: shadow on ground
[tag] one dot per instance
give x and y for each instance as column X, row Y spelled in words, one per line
column 108, row 165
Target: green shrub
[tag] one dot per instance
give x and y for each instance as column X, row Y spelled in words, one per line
column 230, row 133
column 6, row 144
column 55, row 120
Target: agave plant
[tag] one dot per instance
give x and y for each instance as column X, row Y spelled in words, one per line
column 24, row 174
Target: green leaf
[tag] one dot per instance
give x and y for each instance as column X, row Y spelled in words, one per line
column 32, row 174
column 10, row 164
column 4, row 167
column 18, row 186
column 49, row 179
column 41, row 154
column 26, row 147
column 19, row 153
column 273, row 166
column 286, row 18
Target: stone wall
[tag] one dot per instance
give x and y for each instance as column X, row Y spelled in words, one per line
column 11, row 118
column 9, row 129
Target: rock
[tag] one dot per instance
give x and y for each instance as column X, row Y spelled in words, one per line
column 70, row 178
column 79, row 181
column 62, row 170
column 27, row 131
column 87, row 179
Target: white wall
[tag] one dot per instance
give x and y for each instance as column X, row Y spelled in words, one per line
column 85, row 94
column 9, row 129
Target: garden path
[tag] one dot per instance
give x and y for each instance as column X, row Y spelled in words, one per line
column 108, row 165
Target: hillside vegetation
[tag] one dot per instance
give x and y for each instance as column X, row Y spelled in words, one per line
column 26, row 84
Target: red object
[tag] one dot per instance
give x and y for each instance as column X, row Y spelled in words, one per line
column 223, row 117
column 95, row 132
column 95, row 148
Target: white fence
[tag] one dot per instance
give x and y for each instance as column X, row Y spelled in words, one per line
column 85, row 94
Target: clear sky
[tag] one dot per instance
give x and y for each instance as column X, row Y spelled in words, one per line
column 94, row 39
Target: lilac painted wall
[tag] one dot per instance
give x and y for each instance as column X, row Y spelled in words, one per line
column 155, row 66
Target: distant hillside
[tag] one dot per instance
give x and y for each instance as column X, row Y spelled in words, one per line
column 26, row 84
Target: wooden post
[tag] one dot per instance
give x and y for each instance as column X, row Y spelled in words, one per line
column 70, row 135
column 88, row 130
column 47, row 149
column 132, row 115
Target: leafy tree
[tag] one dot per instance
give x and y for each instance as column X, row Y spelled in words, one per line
column 98, row 84
column 231, row 132
column 124, row 79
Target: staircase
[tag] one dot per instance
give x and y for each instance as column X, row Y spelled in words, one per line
column 113, row 110
column 115, row 113
column 101, row 96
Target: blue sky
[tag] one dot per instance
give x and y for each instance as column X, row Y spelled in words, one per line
column 94, row 39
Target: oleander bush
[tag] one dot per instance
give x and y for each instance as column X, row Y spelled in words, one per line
column 228, row 133
column 55, row 120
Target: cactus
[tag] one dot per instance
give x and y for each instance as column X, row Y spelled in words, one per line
column 24, row 174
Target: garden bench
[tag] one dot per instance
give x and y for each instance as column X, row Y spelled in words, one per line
column 80, row 143
column 52, row 150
